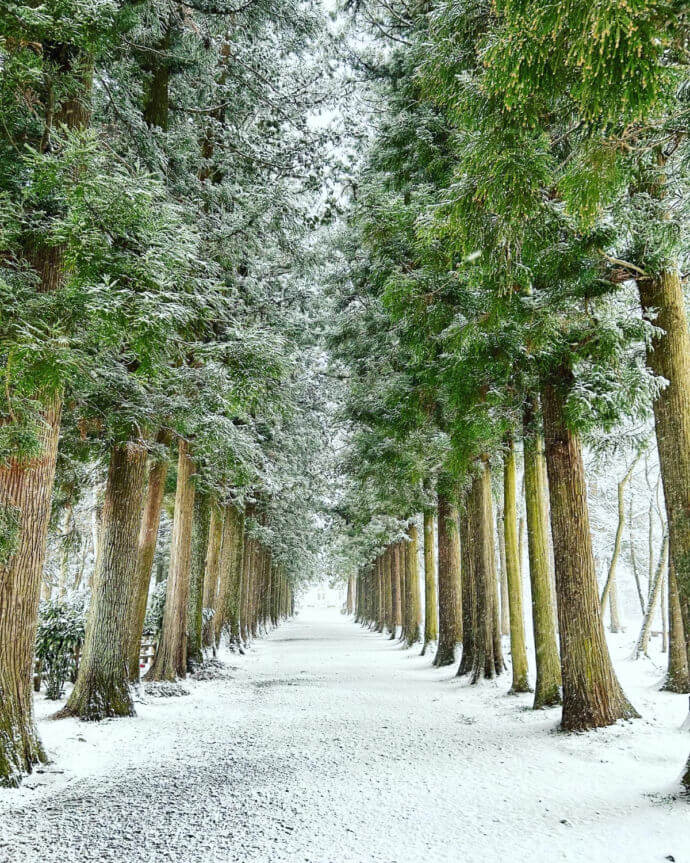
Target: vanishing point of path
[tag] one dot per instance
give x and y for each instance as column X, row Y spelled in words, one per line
column 330, row 744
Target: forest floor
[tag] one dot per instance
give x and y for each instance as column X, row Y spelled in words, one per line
column 327, row 743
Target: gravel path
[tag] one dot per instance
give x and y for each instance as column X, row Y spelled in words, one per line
column 329, row 744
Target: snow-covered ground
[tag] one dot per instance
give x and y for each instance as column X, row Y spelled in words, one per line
column 331, row 744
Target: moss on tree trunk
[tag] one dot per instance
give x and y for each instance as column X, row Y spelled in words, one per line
column 678, row 675
column 413, row 634
column 488, row 657
column 449, row 584
column 170, row 661
column 396, row 588
column 592, row 696
column 148, row 536
column 518, row 651
column 547, row 691
column 102, row 686
column 25, row 497
column 430, row 598
column 468, row 588
column 200, row 532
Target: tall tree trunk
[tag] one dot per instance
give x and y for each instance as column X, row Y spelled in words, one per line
column 488, row 659
column 547, row 691
column 25, row 495
column 212, row 573
column 592, row 696
column 430, row 601
column 396, row 588
column 678, row 675
column 657, row 581
column 26, row 485
column 413, row 634
column 102, row 687
column 232, row 559
column 388, row 580
column 349, row 602
column 518, row 650
column 404, row 611
column 503, row 575
column 668, row 356
column 610, row 592
column 195, row 610
column 247, row 575
column 148, row 536
column 380, row 594
column 469, row 587
column 449, row 582
column 170, row 661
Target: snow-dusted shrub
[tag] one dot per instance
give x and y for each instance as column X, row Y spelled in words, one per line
column 59, row 639
column 153, row 622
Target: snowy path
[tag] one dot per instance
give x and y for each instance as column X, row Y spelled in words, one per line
column 330, row 744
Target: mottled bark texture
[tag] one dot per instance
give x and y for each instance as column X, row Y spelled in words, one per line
column 430, row 598
column 668, row 355
column 592, row 696
column 211, row 576
column 488, row 657
column 170, row 661
column 148, row 536
column 200, row 531
column 396, row 598
column 449, row 584
column 678, row 674
column 25, row 495
column 547, row 690
column 388, row 579
column 518, row 651
column 413, row 634
column 469, row 611
column 102, row 687
column 26, row 484
column 232, row 560
column 503, row 575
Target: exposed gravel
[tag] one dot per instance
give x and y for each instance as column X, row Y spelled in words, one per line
column 333, row 745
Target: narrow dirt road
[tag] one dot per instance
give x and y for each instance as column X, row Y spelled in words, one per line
column 330, row 744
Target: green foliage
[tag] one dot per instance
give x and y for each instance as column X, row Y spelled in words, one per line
column 59, row 638
column 153, row 622
column 10, row 532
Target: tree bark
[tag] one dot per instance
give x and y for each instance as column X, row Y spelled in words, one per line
column 396, row 586
column 547, row 690
column 488, row 658
column 349, row 602
column 25, row 496
column 170, row 661
column 232, row 559
column 469, row 609
column 645, row 630
column 592, row 696
column 678, row 674
column 148, row 537
column 211, row 575
column 195, row 611
column 668, row 355
column 388, row 582
column 430, row 600
column 449, row 582
column 102, row 687
column 503, row 575
column 26, row 484
column 413, row 634
column 518, row 650
column 402, row 555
